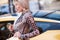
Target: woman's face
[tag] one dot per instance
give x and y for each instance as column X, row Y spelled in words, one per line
column 18, row 7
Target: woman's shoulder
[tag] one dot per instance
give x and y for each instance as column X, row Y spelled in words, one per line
column 27, row 14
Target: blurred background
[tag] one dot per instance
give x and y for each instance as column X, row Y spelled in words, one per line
column 37, row 5
column 46, row 11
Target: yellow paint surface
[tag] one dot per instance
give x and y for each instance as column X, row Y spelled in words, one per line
column 48, row 35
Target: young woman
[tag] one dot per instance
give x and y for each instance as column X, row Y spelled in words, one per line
column 24, row 26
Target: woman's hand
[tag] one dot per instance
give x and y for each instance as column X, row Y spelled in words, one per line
column 10, row 26
column 17, row 34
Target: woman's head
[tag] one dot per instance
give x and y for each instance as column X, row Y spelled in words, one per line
column 21, row 5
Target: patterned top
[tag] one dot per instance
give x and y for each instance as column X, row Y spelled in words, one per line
column 24, row 24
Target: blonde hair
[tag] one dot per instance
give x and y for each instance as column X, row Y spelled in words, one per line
column 23, row 3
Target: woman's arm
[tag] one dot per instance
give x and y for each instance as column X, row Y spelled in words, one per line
column 30, row 21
